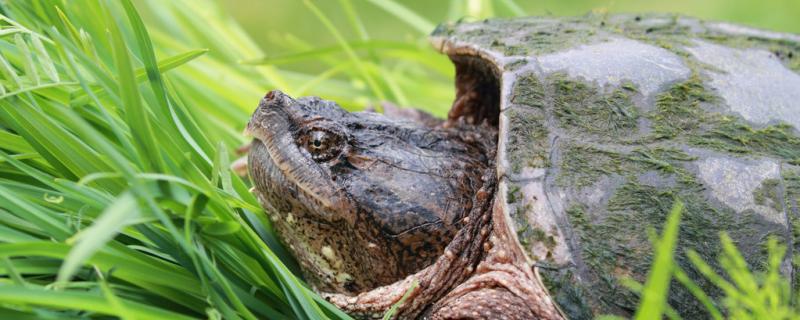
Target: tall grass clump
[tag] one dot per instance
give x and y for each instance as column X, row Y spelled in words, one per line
column 115, row 193
column 116, row 138
column 118, row 123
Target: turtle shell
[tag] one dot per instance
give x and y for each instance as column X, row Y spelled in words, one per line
column 605, row 120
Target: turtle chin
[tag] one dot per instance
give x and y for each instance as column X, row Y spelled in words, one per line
column 301, row 202
column 301, row 220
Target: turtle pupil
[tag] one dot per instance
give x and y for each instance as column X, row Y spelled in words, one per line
column 317, row 143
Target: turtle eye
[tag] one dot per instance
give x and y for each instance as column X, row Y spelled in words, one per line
column 322, row 145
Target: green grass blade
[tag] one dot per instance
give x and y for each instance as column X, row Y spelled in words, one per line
column 37, row 214
column 148, row 56
column 656, row 289
column 88, row 241
column 406, row 15
column 29, row 66
column 365, row 74
column 81, row 301
column 318, row 52
column 9, row 72
column 354, row 20
column 46, row 62
column 698, row 293
column 137, row 116
column 513, row 7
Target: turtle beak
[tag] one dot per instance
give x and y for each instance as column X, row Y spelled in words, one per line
column 275, row 161
column 266, row 112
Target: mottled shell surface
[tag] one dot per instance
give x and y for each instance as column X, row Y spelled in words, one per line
column 605, row 120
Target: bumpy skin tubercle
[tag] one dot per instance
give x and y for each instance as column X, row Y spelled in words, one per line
column 503, row 285
column 482, row 275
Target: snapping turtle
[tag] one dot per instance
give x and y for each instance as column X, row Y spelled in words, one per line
column 568, row 140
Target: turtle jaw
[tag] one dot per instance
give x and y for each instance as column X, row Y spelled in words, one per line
column 299, row 198
column 300, row 220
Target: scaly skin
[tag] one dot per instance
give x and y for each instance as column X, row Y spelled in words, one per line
column 370, row 205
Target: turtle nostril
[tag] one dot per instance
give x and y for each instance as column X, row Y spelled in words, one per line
column 277, row 98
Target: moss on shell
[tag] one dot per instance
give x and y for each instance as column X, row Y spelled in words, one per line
column 734, row 136
column 514, row 194
column 581, row 109
column 791, row 185
column 527, row 141
column 544, row 237
column 523, row 227
column 515, row 65
column 542, row 40
column 528, row 144
column 568, row 292
column 678, row 110
column 768, row 194
column 791, row 180
column 529, row 236
column 521, row 36
column 528, row 91
column 680, row 114
column 583, row 165
column 612, row 238
column 616, row 244
column 663, row 30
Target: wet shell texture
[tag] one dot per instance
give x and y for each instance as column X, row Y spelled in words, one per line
column 605, row 120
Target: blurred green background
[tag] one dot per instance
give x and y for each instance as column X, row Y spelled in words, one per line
column 268, row 22
column 391, row 59
column 116, row 142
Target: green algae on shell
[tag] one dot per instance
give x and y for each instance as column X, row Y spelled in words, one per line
column 579, row 107
column 601, row 132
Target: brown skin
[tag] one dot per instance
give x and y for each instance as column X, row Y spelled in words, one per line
column 370, row 205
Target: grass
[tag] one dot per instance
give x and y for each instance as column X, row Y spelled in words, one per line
column 654, row 299
column 118, row 122
column 117, row 197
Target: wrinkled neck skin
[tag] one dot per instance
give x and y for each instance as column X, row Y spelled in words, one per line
column 360, row 199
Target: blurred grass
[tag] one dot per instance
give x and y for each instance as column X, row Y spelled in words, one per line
column 269, row 21
column 283, row 27
column 117, row 130
column 117, row 198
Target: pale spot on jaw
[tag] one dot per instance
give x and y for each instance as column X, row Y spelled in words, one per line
column 330, row 255
column 327, row 252
column 343, row 277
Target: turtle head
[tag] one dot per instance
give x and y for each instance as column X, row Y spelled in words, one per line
column 360, row 199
